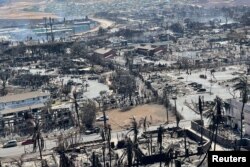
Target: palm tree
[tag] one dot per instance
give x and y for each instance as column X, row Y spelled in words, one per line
column 88, row 113
column 47, row 115
column 133, row 145
column 215, row 119
column 145, row 123
column 134, row 129
column 65, row 161
column 167, row 104
column 94, row 164
column 201, row 112
column 38, row 139
column 29, row 122
column 109, row 144
column 129, row 152
column 103, row 154
column 86, row 86
column 167, row 92
column 104, row 108
column 76, row 107
column 159, row 140
column 178, row 119
column 4, row 77
column 242, row 85
column 151, row 144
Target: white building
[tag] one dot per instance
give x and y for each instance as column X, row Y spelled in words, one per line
column 14, row 105
column 234, row 115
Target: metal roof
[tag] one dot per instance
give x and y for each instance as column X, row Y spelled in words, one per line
column 20, row 109
column 23, row 96
column 103, row 50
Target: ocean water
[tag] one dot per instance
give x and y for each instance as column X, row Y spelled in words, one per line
column 2, row 1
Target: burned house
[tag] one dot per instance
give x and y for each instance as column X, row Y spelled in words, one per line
column 14, row 107
column 18, row 103
column 106, row 53
column 233, row 113
column 148, row 50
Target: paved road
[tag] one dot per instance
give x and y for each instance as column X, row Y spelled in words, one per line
column 49, row 144
column 19, row 150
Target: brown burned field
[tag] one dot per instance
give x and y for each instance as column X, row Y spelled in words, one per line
column 156, row 114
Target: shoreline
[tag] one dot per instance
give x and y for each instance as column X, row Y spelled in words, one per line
column 104, row 23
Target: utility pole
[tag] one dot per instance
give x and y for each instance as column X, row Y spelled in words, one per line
column 175, row 98
column 51, row 21
column 104, row 118
column 45, row 23
column 109, row 144
column 211, row 84
column 166, row 101
column 159, row 140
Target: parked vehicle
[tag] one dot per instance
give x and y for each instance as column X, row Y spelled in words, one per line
column 192, row 83
column 93, row 77
column 203, row 76
column 92, row 130
column 199, row 86
column 11, row 143
column 112, row 101
column 102, row 118
column 202, row 90
column 27, row 142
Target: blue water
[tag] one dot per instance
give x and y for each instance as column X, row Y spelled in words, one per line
column 2, row 2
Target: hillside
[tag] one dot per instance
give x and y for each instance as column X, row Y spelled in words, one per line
column 221, row 3
column 34, row 9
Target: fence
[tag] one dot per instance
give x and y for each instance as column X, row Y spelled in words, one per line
column 227, row 143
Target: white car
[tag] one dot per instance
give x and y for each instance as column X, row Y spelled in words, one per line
column 102, row 118
column 11, row 143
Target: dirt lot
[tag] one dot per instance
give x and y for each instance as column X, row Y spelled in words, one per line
column 14, row 10
column 156, row 114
